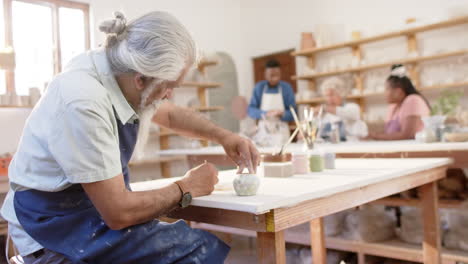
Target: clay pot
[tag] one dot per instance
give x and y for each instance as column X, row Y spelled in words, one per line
column 307, row 41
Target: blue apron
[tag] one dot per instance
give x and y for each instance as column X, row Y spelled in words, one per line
column 68, row 223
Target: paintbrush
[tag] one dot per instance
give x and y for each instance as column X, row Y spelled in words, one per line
column 306, row 120
column 291, row 138
column 298, row 124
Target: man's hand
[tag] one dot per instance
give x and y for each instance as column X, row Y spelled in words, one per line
column 201, row 180
column 274, row 113
column 242, row 151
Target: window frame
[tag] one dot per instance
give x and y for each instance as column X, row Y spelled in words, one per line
column 55, row 5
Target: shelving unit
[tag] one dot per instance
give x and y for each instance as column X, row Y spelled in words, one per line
column 165, row 134
column 395, row 34
column 394, row 248
column 355, row 46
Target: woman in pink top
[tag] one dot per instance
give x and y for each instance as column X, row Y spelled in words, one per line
column 406, row 108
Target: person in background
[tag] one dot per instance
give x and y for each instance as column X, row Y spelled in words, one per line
column 407, row 107
column 346, row 116
column 272, row 99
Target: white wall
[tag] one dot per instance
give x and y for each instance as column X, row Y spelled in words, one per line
column 215, row 25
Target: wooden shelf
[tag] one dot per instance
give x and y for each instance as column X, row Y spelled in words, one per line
column 401, row 33
column 162, row 159
column 427, row 88
column 396, row 201
column 382, row 65
column 392, row 249
column 205, row 63
column 16, row 106
column 168, row 134
column 395, row 249
column 201, row 84
column 208, row 108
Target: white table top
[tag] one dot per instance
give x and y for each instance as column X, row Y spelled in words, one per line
column 345, row 147
column 285, row 192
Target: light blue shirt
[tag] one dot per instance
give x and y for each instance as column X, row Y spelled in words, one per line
column 70, row 137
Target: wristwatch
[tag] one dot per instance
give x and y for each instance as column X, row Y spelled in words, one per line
column 186, row 196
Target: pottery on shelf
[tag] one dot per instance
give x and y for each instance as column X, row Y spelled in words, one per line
column 246, row 184
column 356, row 35
column 307, row 41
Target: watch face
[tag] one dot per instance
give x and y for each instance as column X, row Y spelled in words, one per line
column 186, row 200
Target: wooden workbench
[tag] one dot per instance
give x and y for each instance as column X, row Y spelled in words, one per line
column 284, row 203
column 365, row 149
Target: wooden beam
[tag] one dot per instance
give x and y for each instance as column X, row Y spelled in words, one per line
column 359, row 83
column 460, row 159
column 357, row 52
column 431, row 223
column 306, row 211
column 164, row 143
column 412, row 43
column 271, row 247
column 311, row 85
column 311, row 62
column 223, row 217
column 166, row 170
column 201, row 92
column 361, row 258
column 317, row 236
column 396, row 201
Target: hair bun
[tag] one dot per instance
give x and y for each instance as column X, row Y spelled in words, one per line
column 396, row 66
column 398, row 70
column 115, row 26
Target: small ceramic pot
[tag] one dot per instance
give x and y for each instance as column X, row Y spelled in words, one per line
column 246, row 184
column 307, row 41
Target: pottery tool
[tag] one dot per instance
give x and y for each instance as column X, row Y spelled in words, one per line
column 298, row 124
column 289, row 141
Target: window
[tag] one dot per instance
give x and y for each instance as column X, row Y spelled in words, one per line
column 2, row 45
column 59, row 32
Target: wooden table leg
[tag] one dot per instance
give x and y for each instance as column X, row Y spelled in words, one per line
column 430, row 216
column 317, row 238
column 166, row 169
column 271, row 247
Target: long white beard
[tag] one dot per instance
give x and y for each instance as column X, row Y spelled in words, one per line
column 145, row 114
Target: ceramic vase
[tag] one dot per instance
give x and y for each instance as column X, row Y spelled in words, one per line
column 307, row 41
column 246, row 184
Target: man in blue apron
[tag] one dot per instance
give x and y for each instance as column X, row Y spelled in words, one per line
column 271, row 102
column 70, row 200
